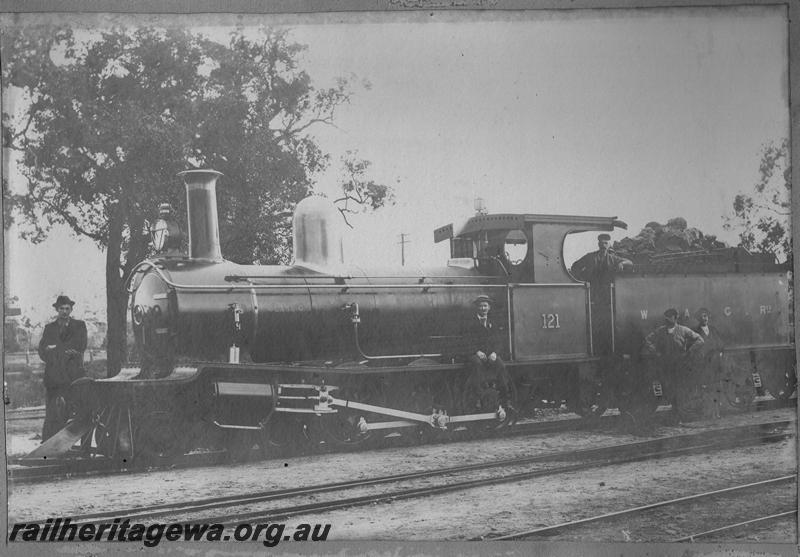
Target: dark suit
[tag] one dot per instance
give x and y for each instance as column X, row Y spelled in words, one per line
column 488, row 381
column 61, row 369
column 476, row 336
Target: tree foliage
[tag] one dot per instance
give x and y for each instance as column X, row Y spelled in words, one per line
column 359, row 192
column 111, row 117
column 763, row 216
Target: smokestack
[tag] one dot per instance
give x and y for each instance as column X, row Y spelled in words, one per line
column 201, row 205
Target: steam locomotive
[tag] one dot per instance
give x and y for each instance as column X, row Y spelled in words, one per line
column 240, row 354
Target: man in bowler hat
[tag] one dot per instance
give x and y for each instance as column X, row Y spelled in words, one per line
column 61, row 348
column 488, row 382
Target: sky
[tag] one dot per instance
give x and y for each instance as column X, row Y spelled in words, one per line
column 643, row 114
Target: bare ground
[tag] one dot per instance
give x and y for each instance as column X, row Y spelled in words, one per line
column 482, row 512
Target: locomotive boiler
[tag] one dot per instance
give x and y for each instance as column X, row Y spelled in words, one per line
column 318, row 309
column 324, row 350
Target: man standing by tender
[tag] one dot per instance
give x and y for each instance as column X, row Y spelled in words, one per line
column 710, row 364
column 675, row 344
column 598, row 269
column 61, row 348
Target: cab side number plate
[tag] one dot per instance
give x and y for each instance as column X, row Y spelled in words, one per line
column 550, row 321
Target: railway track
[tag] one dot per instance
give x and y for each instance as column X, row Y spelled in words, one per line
column 737, row 496
column 23, row 470
column 25, row 414
column 787, row 516
column 308, row 500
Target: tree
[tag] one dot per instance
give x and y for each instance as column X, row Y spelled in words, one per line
column 359, row 192
column 111, row 117
column 763, row 216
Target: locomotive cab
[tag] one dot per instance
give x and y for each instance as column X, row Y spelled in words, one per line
column 522, row 248
column 526, row 251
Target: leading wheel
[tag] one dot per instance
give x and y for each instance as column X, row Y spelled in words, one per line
column 158, row 436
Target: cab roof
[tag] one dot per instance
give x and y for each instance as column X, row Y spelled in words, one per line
column 505, row 221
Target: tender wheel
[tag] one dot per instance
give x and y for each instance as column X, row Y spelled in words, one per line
column 637, row 399
column 738, row 394
column 696, row 401
column 639, row 406
column 737, row 382
column 778, row 374
column 781, row 386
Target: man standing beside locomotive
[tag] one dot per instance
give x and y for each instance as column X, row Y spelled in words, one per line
column 710, row 361
column 598, row 269
column 61, row 348
column 675, row 344
column 487, row 372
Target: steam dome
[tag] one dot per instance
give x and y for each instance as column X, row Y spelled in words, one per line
column 317, row 233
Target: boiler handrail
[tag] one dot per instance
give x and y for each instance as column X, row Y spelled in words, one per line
column 341, row 286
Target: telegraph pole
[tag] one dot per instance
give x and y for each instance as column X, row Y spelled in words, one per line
column 403, row 241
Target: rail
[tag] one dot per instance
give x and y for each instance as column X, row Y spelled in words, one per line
column 547, row 530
